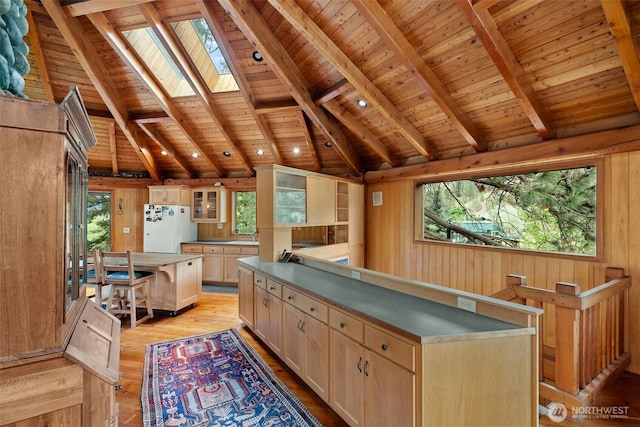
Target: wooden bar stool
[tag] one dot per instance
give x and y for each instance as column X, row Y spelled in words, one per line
column 129, row 288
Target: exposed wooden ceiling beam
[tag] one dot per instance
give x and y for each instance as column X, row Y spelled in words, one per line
column 94, row 6
column 73, row 33
column 338, row 88
column 589, row 146
column 153, row 117
column 251, row 23
column 361, row 131
column 166, row 146
column 110, row 34
column 395, row 40
column 208, row 13
column 182, row 59
column 508, row 65
column 275, row 106
column 36, row 49
column 620, row 23
column 308, row 139
column 376, row 99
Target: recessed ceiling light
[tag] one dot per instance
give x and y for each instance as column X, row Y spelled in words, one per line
column 260, row 152
column 164, row 152
column 226, row 154
column 195, row 155
column 256, row 56
column 361, row 103
column 327, row 144
column 296, row 150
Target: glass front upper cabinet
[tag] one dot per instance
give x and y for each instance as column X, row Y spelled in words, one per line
column 291, row 199
column 209, row 204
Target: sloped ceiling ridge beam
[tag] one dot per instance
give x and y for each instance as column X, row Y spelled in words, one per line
column 320, row 41
column 508, row 65
column 88, row 58
column 110, row 34
column 405, row 52
column 253, row 26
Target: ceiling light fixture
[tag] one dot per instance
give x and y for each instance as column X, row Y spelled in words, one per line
column 164, row 152
column 296, row 150
column 256, row 56
column 260, row 152
column 362, row 103
column 195, row 155
column 226, row 154
column 327, row 144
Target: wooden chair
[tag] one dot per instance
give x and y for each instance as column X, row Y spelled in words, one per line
column 94, row 277
column 129, row 288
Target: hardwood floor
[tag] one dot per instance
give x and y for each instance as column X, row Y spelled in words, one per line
column 218, row 311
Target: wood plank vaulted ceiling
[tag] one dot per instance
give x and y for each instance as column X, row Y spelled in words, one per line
column 469, row 82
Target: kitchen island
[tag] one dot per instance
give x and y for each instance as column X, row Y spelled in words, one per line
column 177, row 282
column 383, row 350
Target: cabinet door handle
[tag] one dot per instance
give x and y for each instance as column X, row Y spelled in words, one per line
column 365, row 368
column 359, row 364
column 265, row 302
column 384, row 347
column 312, row 309
column 289, row 297
column 302, row 326
column 342, row 324
column 272, row 288
column 299, row 321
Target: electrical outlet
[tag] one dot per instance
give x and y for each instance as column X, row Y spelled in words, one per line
column 355, row 275
column 220, row 225
column 467, row 304
column 126, row 230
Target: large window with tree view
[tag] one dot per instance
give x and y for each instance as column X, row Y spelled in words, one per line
column 552, row 211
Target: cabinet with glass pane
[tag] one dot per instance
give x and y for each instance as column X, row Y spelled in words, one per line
column 43, row 241
column 209, row 204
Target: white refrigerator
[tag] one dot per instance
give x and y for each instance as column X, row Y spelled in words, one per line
column 165, row 227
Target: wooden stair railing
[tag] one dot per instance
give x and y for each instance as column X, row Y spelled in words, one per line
column 591, row 334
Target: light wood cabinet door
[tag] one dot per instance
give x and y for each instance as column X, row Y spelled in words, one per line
column 321, row 201
column 213, row 268
column 316, row 356
column 261, row 319
column 347, row 380
column 391, row 390
column 245, row 297
column 293, row 345
column 268, row 319
column 231, row 268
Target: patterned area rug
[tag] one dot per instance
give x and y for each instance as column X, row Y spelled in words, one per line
column 215, row 380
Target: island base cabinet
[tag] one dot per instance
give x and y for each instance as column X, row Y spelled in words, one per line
column 305, row 349
column 367, row 389
column 245, row 297
column 268, row 319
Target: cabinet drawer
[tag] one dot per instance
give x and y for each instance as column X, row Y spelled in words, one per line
column 234, row 250
column 260, row 281
column 274, row 288
column 252, row 250
column 210, row 249
column 308, row 305
column 346, row 325
column 191, row 249
column 390, row 347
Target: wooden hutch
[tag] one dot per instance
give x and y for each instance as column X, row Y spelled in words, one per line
column 59, row 352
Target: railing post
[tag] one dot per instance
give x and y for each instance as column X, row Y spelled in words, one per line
column 513, row 281
column 567, row 341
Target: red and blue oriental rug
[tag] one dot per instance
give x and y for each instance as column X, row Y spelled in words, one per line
column 218, row 380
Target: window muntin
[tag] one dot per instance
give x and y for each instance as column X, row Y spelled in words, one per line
column 551, row 211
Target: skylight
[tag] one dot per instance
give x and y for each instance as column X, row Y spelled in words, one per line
column 199, row 43
column 158, row 61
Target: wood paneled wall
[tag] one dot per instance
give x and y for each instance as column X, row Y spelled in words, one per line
column 127, row 211
column 392, row 249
